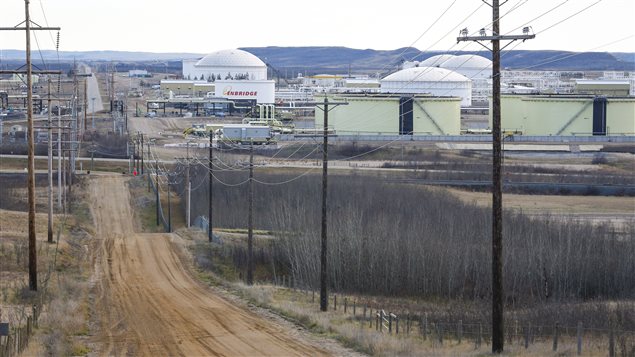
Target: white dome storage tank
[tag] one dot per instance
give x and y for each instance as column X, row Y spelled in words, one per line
column 437, row 82
column 435, row 61
column 472, row 66
column 231, row 64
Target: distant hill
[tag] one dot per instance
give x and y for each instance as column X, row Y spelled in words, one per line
column 312, row 60
column 340, row 58
column 50, row 55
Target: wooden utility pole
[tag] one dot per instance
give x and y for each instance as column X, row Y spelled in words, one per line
column 31, row 164
column 324, row 297
column 250, row 219
column 59, row 157
column 30, row 139
column 50, row 168
column 142, row 153
column 156, row 175
column 498, row 331
column 169, row 207
column 210, row 234
column 86, row 104
column 188, row 187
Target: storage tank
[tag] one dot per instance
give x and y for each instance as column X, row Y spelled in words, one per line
column 438, row 82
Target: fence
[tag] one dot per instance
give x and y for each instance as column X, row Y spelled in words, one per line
column 407, row 324
column 17, row 338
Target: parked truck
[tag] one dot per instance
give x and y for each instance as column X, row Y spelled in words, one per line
column 246, row 134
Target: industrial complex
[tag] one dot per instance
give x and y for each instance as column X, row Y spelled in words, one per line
column 442, row 95
column 428, row 97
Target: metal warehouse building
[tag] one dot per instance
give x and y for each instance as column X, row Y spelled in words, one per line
column 394, row 114
column 568, row 115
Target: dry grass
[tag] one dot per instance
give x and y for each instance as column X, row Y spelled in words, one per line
column 62, row 278
column 356, row 332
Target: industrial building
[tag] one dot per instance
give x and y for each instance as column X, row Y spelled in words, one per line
column 567, row 115
column 438, row 82
column 394, row 114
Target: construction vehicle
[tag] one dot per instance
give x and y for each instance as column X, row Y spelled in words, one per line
column 196, row 130
column 202, row 130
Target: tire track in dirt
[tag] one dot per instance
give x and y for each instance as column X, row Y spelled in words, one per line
column 146, row 303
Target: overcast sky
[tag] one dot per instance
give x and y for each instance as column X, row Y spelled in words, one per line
column 203, row 26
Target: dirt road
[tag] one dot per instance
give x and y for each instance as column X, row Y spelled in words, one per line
column 146, row 304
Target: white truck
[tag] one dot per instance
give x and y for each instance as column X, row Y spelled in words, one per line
column 246, row 134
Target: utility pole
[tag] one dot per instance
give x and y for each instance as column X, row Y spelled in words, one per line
column 498, row 332
column 132, row 158
column 169, row 207
column 156, row 175
column 188, row 185
column 210, row 234
column 50, row 167
column 142, row 153
column 31, row 164
column 86, row 104
column 324, row 297
column 59, row 156
column 92, row 114
column 137, row 154
column 250, row 219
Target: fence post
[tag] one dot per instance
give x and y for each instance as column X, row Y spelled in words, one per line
column 354, row 308
column 423, row 326
column 36, row 315
column 408, row 324
column 440, row 332
column 527, row 329
column 370, row 317
column 611, row 341
column 479, row 336
column 555, row 337
column 377, row 325
column 396, row 325
column 345, row 304
column 390, row 322
column 364, row 311
column 335, row 302
column 579, row 338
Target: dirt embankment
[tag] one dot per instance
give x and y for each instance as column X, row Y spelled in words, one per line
column 146, row 303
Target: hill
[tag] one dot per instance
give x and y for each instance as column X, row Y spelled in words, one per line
column 314, row 60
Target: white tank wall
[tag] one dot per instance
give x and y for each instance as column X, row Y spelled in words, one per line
column 255, row 74
column 536, row 115
column 188, row 68
column 262, row 91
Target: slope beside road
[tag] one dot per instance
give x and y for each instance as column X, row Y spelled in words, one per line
column 146, row 303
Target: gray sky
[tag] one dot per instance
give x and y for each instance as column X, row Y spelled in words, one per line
column 204, row 25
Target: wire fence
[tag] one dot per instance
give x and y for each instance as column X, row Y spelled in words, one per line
column 575, row 339
column 13, row 341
